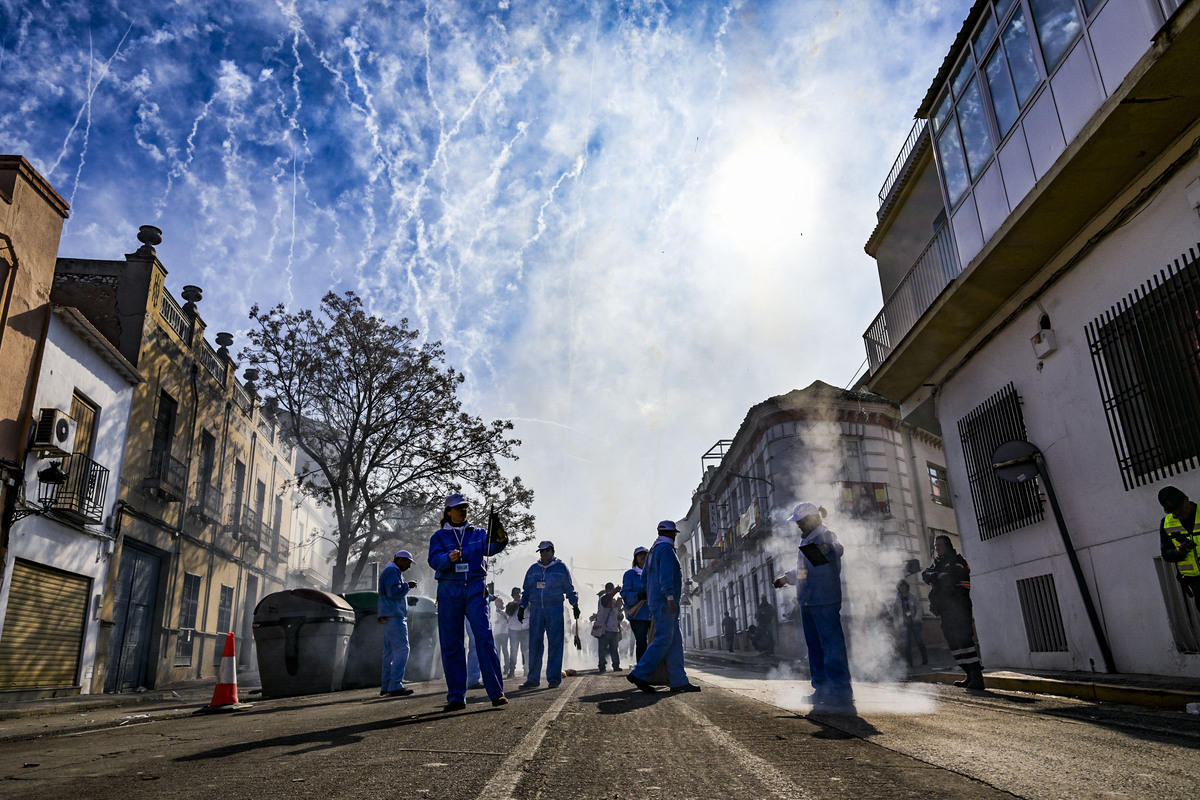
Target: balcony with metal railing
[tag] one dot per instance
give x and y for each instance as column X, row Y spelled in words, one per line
column 80, row 495
column 212, row 504
column 916, row 139
column 246, row 525
column 165, row 477
column 212, row 362
column 933, row 271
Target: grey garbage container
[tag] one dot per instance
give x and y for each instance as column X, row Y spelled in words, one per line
column 302, row 637
column 364, row 661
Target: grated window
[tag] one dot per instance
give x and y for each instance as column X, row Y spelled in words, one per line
column 1043, row 618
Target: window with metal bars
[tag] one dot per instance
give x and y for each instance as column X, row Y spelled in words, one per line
column 1000, row 506
column 1146, row 355
column 1043, row 618
column 189, row 604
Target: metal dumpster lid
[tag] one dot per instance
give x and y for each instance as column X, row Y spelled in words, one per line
column 299, row 600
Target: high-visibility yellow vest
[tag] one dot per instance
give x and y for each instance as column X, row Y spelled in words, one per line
column 1189, row 567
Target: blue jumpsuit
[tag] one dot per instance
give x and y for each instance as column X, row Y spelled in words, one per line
column 542, row 593
column 393, row 593
column 462, row 594
column 819, row 592
column 664, row 580
column 631, row 586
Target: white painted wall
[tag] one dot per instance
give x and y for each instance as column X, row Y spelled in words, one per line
column 1115, row 531
column 71, row 363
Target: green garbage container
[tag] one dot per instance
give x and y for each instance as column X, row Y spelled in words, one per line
column 302, row 638
column 364, row 660
column 425, row 653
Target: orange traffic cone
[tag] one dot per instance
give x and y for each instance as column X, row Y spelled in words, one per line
column 225, row 693
column 225, row 697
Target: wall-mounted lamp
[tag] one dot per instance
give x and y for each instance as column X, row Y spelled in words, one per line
column 1043, row 341
column 53, row 474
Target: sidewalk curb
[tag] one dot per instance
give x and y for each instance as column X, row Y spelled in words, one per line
column 1167, row 699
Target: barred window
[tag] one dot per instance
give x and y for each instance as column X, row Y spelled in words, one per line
column 1146, row 355
column 189, row 604
column 1043, row 618
column 1000, row 506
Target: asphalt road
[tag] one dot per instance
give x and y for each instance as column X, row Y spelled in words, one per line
column 744, row 736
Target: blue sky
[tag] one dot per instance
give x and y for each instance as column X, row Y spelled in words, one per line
column 627, row 222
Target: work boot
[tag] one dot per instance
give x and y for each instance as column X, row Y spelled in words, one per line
column 975, row 680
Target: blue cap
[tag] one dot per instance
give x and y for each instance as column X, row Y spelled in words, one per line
column 455, row 499
column 637, row 550
column 545, row 545
column 404, row 554
column 668, row 525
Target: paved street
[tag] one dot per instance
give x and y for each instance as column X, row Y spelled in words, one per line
column 595, row 738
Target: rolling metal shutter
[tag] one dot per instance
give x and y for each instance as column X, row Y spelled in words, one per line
column 43, row 628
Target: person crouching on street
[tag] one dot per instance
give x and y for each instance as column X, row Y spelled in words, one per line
column 664, row 587
column 392, row 613
column 547, row 582
column 633, row 594
column 456, row 553
column 818, row 579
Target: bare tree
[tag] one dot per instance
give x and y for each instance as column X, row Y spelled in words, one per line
column 379, row 421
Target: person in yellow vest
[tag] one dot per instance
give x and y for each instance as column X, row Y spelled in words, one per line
column 1179, row 535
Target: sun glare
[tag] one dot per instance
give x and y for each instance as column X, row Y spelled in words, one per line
column 758, row 197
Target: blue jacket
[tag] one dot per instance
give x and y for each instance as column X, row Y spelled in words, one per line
column 631, row 585
column 820, row 586
column 474, row 545
column 557, row 583
column 393, row 590
column 663, row 575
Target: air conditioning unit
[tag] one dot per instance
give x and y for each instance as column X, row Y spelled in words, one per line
column 55, row 433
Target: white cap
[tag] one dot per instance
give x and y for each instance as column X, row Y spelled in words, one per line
column 803, row 510
column 404, row 554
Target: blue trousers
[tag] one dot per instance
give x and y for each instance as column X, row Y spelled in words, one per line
column 828, row 665
column 667, row 644
column 474, row 674
column 395, row 653
column 545, row 622
column 460, row 602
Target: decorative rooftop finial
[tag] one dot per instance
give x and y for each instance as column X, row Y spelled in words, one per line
column 251, row 375
column 224, row 339
column 149, row 236
column 193, row 295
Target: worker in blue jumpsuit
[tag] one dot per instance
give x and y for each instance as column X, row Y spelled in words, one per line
column 637, row 610
column 392, row 613
column 547, row 582
column 664, row 586
column 818, row 580
column 456, row 553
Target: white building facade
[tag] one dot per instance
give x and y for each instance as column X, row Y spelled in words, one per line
column 1054, row 163
column 61, row 546
column 882, row 482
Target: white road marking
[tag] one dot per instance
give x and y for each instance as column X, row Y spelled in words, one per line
column 504, row 782
column 763, row 771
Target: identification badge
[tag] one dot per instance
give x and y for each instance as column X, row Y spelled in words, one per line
column 460, row 567
column 541, row 584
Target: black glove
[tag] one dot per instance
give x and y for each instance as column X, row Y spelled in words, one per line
column 641, row 595
column 576, row 610
column 520, row 614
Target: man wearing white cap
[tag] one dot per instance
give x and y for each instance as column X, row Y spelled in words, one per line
column 547, row 582
column 818, row 580
column 633, row 593
column 456, row 553
column 393, row 614
column 664, row 586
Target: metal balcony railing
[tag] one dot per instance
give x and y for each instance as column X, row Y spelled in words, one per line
column 212, row 503
column 934, row 270
column 910, row 145
column 81, row 496
column 212, row 362
column 246, row 525
column 166, row 476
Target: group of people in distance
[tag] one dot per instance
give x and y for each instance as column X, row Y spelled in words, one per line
column 650, row 592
